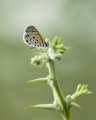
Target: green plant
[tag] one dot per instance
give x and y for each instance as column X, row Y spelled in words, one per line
column 47, row 56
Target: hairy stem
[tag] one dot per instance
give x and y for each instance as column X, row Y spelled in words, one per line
column 58, row 95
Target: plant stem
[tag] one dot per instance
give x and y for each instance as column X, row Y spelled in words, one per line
column 58, row 95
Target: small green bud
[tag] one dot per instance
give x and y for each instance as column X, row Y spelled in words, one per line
column 56, row 49
column 56, row 41
column 79, row 87
column 68, row 97
column 38, row 61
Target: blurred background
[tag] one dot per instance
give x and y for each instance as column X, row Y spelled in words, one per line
column 72, row 20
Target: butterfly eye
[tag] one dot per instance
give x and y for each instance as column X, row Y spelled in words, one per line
column 47, row 44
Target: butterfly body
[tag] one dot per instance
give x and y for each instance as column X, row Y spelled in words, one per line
column 33, row 38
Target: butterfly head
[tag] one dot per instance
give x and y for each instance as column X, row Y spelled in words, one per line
column 46, row 44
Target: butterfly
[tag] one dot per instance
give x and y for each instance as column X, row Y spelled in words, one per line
column 33, row 38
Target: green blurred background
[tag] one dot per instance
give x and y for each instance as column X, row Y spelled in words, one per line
column 72, row 20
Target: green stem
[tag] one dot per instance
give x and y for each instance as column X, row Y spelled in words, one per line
column 58, row 95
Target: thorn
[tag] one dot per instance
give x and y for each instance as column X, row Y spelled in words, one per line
column 44, row 80
column 75, row 104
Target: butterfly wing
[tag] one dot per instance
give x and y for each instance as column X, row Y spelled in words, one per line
column 33, row 38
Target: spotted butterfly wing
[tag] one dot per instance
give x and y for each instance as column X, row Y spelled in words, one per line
column 33, row 38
